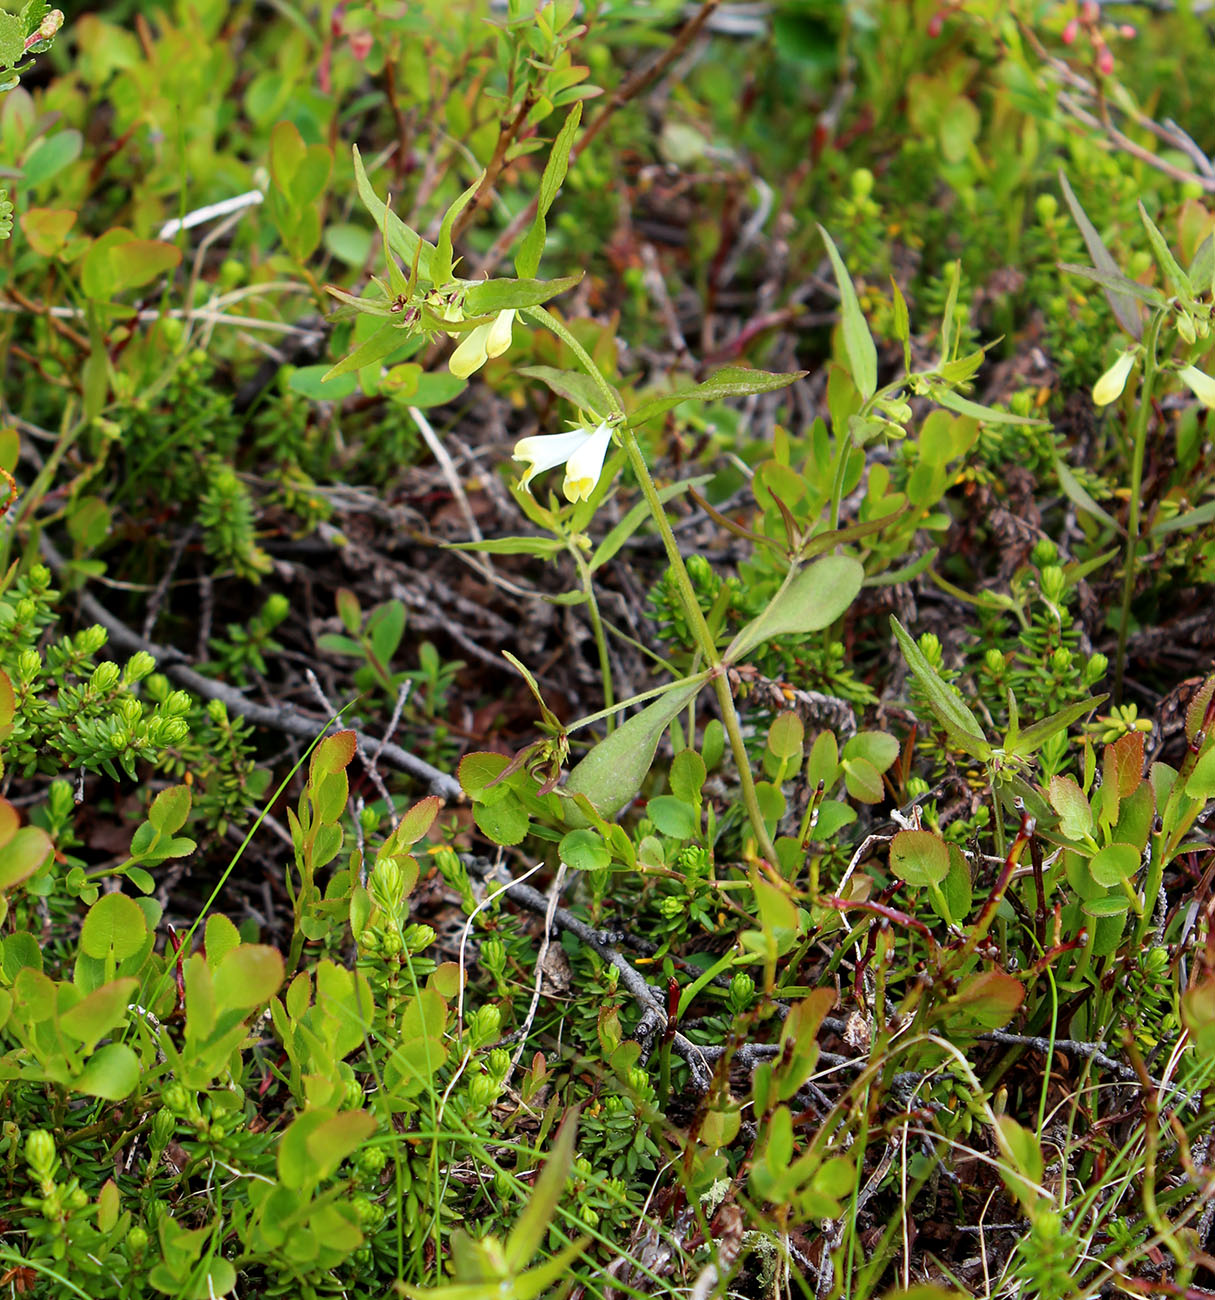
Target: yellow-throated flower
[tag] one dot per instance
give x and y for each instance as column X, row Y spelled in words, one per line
column 581, row 451
column 481, row 343
column 1109, row 387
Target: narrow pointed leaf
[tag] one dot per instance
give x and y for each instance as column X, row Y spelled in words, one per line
column 489, row 296
column 612, row 773
column 1033, row 737
column 1078, row 494
column 858, row 342
column 1164, row 256
column 729, row 381
column 532, row 1226
column 441, row 262
column 403, row 241
column 386, row 339
column 813, row 600
column 952, row 401
column 1119, row 299
column 962, row 725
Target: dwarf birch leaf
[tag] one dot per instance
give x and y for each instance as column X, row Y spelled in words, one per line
column 112, row 1073
column 919, row 857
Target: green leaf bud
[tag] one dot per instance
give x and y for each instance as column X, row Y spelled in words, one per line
column 498, row 1062
column 104, row 677
column 1054, row 583
column 493, row 956
column 40, row 1152
column 486, row 1023
column 742, row 992
column 419, row 937
column 91, row 639
column 482, row 1092
column 139, row 666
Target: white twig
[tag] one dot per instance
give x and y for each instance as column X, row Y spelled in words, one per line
column 200, row 215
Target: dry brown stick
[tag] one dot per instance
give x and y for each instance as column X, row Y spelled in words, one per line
column 641, row 80
column 282, row 718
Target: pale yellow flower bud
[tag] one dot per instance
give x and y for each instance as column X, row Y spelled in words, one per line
column 1109, row 387
column 1200, row 384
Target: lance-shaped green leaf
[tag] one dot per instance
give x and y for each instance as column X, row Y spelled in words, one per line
column 1116, row 282
column 1120, row 299
column 612, row 773
column 952, row 401
column 1164, row 256
column 1078, row 494
column 1202, row 268
column 1195, row 518
column 573, row 385
column 729, row 381
column 858, row 342
column 406, row 243
column 813, row 600
column 532, row 1226
column 490, row 296
column 385, row 340
column 1034, row 737
column 528, row 261
column 633, row 520
column 441, row 263
column 953, row 715
column 547, row 547
column 366, row 306
column 949, row 316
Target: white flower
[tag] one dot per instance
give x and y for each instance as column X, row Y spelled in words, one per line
column 481, row 343
column 581, row 451
column 1200, row 384
column 1109, row 387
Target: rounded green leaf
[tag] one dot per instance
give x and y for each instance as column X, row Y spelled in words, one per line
column 114, row 927
column 584, row 850
column 248, row 976
column 877, row 747
column 673, row 817
column 1106, row 905
column 863, row 780
column 786, row 734
column 112, row 1073
column 28, row 849
column 919, row 857
column 1114, row 864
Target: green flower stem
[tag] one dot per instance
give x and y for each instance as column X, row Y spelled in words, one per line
column 592, row 609
column 695, row 616
column 543, row 316
column 1138, row 451
column 704, row 639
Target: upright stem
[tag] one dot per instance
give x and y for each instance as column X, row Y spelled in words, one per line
column 592, row 609
column 708, row 647
column 1138, row 451
column 687, row 593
